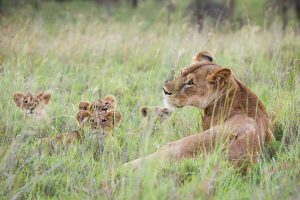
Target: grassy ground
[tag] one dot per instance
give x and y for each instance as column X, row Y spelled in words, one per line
column 85, row 54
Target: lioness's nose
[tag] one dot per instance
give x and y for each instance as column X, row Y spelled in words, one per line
column 166, row 92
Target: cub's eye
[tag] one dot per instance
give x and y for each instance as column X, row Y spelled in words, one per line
column 92, row 120
column 190, row 82
column 104, row 120
column 25, row 101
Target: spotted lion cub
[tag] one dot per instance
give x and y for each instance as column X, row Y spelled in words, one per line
column 157, row 114
column 105, row 105
column 100, row 123
column 33, row 105
column 153, row 118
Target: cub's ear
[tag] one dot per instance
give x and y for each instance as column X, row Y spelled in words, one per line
column 117, row 118
column 110, row 98
column 204, row 56
column 44, row 97
column 85, row 105
column 17, row 97
column 145, row 111
column 82, row 117
column 221, row 76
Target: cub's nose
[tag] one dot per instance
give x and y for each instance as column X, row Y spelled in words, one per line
column 166, row 92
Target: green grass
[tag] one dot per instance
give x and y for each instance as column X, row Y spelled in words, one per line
column 77, row 52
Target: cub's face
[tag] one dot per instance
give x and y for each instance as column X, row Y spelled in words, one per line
column 32, row 104
column 197, row 86
column 99, row 121
column 104, row 105
column 157, row 113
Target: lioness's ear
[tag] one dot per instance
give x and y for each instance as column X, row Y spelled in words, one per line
column 17, row 97
column 82, row 117
column 204, row 56
column 44, row 97
column 144, row 111
column 221, row 76
column 84, row 105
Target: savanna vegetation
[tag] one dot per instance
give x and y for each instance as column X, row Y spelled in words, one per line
column 83, row 50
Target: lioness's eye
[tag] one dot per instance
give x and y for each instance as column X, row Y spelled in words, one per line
column 190, row 82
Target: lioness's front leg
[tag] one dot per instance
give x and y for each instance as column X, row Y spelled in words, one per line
column 237, row 136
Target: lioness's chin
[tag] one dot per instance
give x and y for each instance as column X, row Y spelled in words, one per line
column 170, row 105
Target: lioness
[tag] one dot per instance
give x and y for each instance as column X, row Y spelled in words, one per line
column 233, row 114
column 33, row 105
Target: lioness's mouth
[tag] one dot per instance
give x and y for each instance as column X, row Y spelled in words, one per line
column 168, row 103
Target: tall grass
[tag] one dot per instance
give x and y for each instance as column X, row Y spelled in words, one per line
column 83, row 55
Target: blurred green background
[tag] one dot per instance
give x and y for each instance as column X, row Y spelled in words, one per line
column 83, row 50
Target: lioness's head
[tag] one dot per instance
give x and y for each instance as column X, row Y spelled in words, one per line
column 99, row 121
column 106, row 104
column 158, row 113
column 31, row 104
column 198, row 84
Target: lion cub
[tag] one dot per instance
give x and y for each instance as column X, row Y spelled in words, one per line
column 101, row 123
column 157, row 114
column 106, row 104
column 33, row 105
column 153, row 117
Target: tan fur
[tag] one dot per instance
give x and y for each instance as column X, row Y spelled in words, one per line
column 65, row 138
column 33, row 105
column 106, row 104
column 103, row 123
column 153, row 117
column 156, row 113
column 233, row 115
column 85, row 105
column 204, row 56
